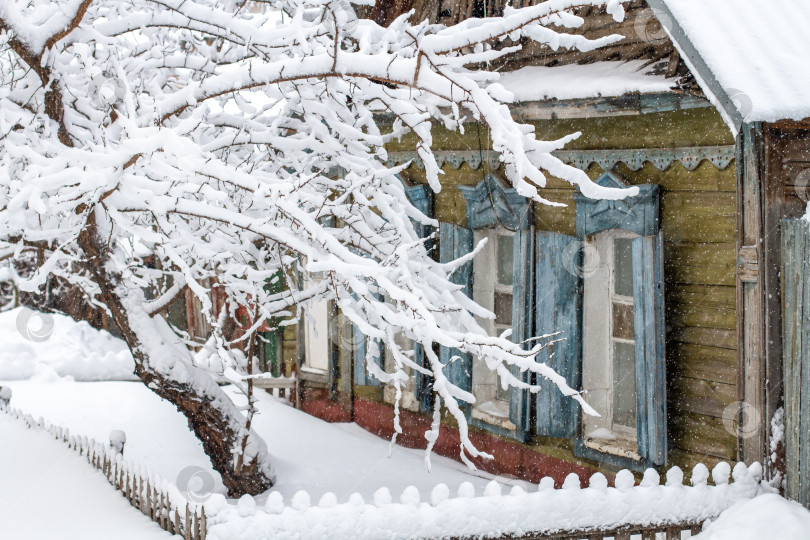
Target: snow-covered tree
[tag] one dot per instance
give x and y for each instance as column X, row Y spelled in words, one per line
column 230, row 145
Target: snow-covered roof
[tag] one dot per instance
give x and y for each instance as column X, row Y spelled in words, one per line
column 574, row 81
column 751, row 57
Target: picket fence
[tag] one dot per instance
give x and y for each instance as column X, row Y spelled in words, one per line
column 646, row 511
column 280, row 387
column 157, row 499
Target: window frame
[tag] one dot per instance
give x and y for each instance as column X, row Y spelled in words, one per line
column 488, row 205
column 639, row 214
column 598, row 361
column 486, row 282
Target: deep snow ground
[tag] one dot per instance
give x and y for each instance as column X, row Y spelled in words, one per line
column 308, row 453
column 48, row 492
column 46, row 375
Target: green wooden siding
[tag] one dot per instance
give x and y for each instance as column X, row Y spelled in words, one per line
column 698, row 220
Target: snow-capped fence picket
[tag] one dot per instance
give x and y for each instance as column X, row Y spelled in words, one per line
column 649, row 510
column 156, row 498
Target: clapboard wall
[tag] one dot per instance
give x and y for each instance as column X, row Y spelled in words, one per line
column 698, row 214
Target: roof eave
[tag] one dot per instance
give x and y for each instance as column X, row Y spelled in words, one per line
column 703, row 74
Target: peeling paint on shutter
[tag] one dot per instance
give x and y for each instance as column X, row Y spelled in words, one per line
column 558, row 310
column 648, row 291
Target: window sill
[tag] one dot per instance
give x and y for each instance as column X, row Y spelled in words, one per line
column 495, row 413
column 306, row 373
column 612, row 453
column 625, row 448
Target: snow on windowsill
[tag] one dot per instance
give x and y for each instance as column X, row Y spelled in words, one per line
column 495, row 412
column 314, row 371
column 608, row 442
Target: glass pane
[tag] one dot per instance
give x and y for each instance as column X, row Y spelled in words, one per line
column 500, row 393
column 505, row 259
column 623, row 321
column 624, row 384
column 623, row 266
column 503, row 309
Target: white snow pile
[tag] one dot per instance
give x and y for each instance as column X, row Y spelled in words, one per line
column 756, row 50
column 574, row 81
column 765, row 516
column 493, row 513
column 44, row 346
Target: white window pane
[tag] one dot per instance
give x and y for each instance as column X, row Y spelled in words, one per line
column 505, row 259
column 500, row 393
column 623, row 266
column 317, row 336
column 624, row 384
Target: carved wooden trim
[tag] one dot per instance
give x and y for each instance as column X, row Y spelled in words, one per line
column 635, row 158
column 637, row 214
column 490, row 204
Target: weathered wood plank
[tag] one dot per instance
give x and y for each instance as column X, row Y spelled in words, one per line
column 703, row 397
column 751, row 331
column 702, row 307
column 803, row 238
column 698, row 217
column 710, row 337
column 702, row 434
column 710, row 264
column 792, row 254
column 702, row 362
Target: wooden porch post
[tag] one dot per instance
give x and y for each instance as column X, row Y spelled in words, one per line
column 751, row 305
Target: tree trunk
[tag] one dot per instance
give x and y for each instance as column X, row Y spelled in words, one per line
column 159, row 358
column 165, row 366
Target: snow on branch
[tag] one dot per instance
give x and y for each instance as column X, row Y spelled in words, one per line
column 243, row 146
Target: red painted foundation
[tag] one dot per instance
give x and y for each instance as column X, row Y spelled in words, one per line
column 316, row 401
column 509, row 457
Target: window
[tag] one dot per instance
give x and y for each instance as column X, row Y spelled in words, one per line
column 493, row 288
column 316, row 340
column 503, row 217
column 317, row 345
column 623, row 343
column 609, row 349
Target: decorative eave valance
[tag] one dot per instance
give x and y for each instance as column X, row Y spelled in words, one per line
column 634, row 158
column 490, row 204
column 637, row 214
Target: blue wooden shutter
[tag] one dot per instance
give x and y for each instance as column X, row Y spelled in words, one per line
column 361, row 375
column 522, row 321
column 558, row 309
column 422, row 198
column 454, row 242
column 648, row 293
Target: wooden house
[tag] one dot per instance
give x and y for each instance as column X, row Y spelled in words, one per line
column 670, row 302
